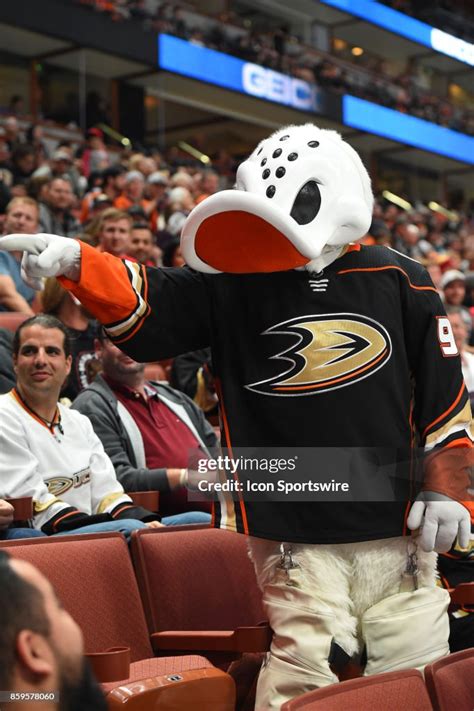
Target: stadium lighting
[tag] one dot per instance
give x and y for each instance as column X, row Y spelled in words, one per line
column 450, row 214
column 397, row 200
column 194, row 152
column 120, row 138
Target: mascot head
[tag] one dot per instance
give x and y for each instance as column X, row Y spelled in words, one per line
column 302, row 193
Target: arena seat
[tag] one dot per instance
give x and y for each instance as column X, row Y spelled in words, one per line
column 200, row 595
column 22, row 508
column 393, row 691
column 191, row 583
column 12, row 319
column 462, row 594
column 93, row 575
column 148, row 499
column 450, row 682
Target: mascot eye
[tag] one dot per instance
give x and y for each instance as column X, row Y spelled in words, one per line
column 307, row 203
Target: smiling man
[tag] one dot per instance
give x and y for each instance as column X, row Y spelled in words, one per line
column 52, row 453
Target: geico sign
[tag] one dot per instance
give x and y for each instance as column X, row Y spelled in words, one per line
column 453, row 46
column 267, row 84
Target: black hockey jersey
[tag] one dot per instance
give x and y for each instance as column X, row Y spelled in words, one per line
column 361, row 355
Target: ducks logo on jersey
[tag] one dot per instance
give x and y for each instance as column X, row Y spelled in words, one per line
column 332, row 351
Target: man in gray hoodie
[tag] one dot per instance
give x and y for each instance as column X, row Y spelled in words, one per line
column 148, row 429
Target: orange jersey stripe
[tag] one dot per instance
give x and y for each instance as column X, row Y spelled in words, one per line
column 122, row 508
column 381, row 269
column 67, row 515
column 446, row 412
column 227, row 436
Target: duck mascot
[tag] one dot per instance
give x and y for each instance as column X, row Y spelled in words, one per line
column 317, row 342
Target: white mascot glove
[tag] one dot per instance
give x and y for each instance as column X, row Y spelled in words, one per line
column 45, row 256
column 441, row 519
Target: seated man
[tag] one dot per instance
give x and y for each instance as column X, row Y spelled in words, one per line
column 41, row 647
column 15, row 295
column 49, row 452
column 7, row 530
column 147, row 428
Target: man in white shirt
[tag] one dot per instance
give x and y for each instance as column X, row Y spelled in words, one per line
column 50, row 452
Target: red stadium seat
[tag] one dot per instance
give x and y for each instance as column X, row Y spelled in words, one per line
column 463, row 594
column 12, row 319
column 393, row 691
column 200, row 595
column 94, row 578
column 450, row 682
column 192, row 583
column 148, row 499
column 22, row 508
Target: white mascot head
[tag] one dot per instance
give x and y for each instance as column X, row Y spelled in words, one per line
column 301, row 194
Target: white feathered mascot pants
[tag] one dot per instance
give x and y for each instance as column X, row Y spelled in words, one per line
column 334, row 594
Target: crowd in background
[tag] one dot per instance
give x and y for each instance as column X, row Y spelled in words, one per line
column 75, row 184
column 134, row 204
column 365, row 76
column 453, row 16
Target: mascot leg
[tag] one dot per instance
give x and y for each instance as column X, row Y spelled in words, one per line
column 403, row 623
column 306, row 598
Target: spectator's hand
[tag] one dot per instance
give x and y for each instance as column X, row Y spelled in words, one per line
column 154, row 524
column 177, row 477
column 45, row 255
column 441, row 519
column 6, row 514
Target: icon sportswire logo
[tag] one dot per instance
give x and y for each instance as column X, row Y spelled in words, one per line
column 331, row 351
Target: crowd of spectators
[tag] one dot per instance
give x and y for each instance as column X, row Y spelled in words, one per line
column 366, row 77
column 132, row 203
column 76, row 184
column 453, row 16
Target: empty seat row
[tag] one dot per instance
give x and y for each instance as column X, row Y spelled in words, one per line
column 448, row 686
column 94, row 577
column 191, row 592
